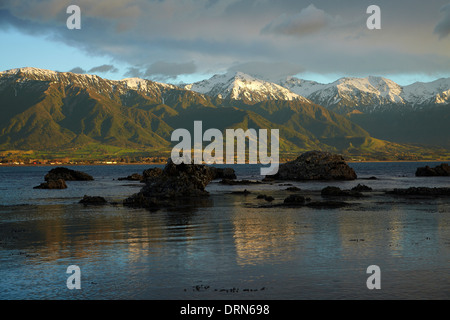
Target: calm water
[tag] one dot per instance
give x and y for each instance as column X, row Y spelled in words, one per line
column 224, row 242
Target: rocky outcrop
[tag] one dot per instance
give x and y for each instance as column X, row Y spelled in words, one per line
column 421, row 191
column 223, row 173
column 337, row 192
column 93, row 201
column 67, row 175
column 442, row 170
column 150, row 174
column 316, row 165
column 362, row 188
column 52, row 184
column 295, row 200
column 175, row 182
column 133, row 177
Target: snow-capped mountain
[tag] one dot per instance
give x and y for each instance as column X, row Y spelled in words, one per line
column 370, row 94
column 346, row 95
column 22, row 77
column 241, row 86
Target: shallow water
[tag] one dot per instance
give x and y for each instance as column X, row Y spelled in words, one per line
column 225, row 247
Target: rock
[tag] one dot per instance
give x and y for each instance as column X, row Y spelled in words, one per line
column 151, row 174
column 442, row 170
column 175, row 182
column 67, row 175
column 362, row 188
column 293, row 189
column 265, row 197
column 52, row 184
column 327, row 204
column 245, row 192
column 316, row 165
column 337, row 192
column 295, row 200
column 133, row 177
column 95, row 201
column 223, row 173
column 240, row 182
column 421, row 191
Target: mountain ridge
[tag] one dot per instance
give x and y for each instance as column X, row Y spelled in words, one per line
column 55, row 112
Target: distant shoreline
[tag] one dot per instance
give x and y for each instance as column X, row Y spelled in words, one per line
column 162, row 164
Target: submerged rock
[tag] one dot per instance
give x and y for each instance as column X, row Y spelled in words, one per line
column 421, row 191
column 442, row 170
column 238, row 182
column 295, row 200
column 316, row 165
column 67, row 175
column 362, row 188
column 93, row 201
column 133, row 177
column 337, row 192
column 53, row 184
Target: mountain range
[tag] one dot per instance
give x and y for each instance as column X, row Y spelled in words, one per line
column 82, row 115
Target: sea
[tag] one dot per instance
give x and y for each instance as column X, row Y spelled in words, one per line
column 225, row 247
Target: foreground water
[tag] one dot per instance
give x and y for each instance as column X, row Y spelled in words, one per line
column 226, row 247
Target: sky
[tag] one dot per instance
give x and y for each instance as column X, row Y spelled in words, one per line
column 190, row 40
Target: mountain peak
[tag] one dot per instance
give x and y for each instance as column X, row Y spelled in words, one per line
column 241, row 86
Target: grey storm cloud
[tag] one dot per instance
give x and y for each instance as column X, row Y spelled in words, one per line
column 78, row 70
column 161, row 70
column 104, row 68
column 169, row 38
column 443, row 27
column 309, row 20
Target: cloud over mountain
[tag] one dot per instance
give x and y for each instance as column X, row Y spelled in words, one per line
column 167, row 39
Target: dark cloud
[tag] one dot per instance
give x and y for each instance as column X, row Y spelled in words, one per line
column 78, row 70
column 443, row 27
column 329, row 36
column 104, row 68
column 310, row 20
column 134, row 72
column 166, row 70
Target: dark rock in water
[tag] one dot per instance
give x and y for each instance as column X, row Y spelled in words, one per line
column 52, row 184
column 295, row 200
column 421, row 191
column 95, row 201
column 245, row 192
column 182, row 181
column 67, row 175
column 238, row 182
column 327, row 204
column 150, row 174
column 261, row 196
column 269, row 198
column 442, row 170
column 337, row 192
column 293, row 189
column 316, row 165
column 362, row 188
column 223, row 173
column 133, row 177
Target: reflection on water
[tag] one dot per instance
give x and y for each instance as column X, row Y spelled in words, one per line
column 227, row 242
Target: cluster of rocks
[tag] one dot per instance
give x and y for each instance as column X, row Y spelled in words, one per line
column 57, row 177
column 442, row 170
column 316, row 165
column 176, row 182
